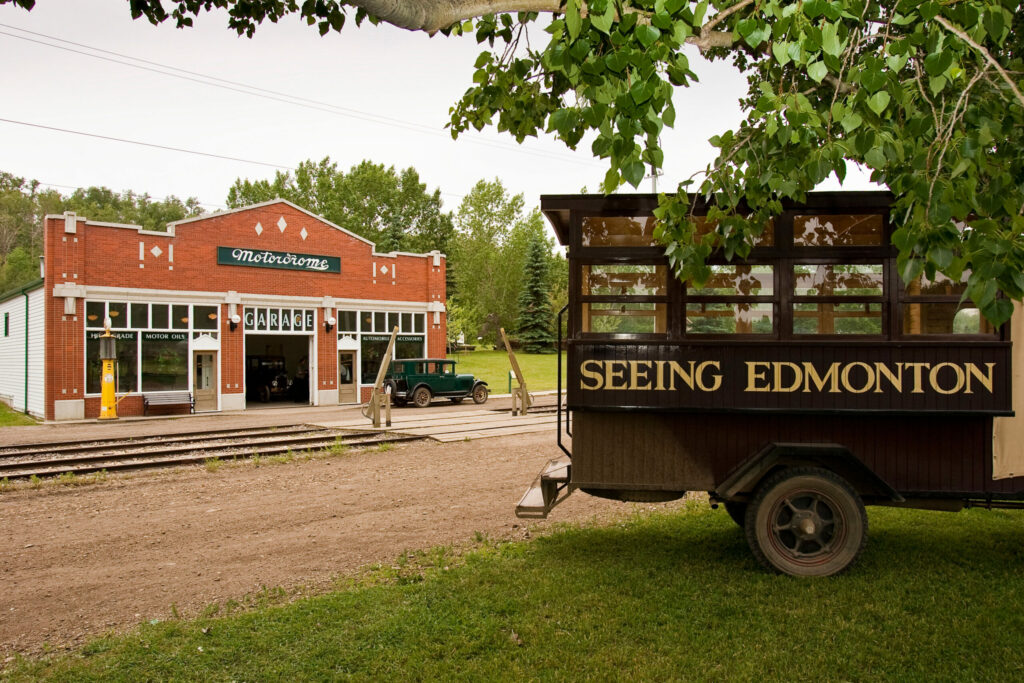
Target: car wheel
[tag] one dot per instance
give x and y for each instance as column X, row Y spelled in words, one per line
column 421, row 397
column 806, row 521
column 479, row 394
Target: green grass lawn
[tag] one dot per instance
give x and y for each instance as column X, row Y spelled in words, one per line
column 493, row 367
column 936, row 596
column 11, row 418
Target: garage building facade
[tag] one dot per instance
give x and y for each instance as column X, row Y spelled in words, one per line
column 245, row 306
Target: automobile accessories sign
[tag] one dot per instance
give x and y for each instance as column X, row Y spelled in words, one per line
column 286, row 260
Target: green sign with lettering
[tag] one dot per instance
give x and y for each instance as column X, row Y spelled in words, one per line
column 286, row 260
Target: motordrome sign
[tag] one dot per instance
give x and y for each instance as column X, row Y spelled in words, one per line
column 285, row 260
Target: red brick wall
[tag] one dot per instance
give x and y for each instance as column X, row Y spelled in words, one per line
column 107, row 256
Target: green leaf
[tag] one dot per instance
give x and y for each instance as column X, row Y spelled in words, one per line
column 633, row 173
column 879, row 101
column 573, row 21
column 941, row 257
column 616, row 61
column 875, row 158
column 603, row 22
column 780, row 51
column 936, row 84
column 936, row 63
column 993, row 23
column 830, row 43
column 646, row 34
column 817, row 70
column 851, row 121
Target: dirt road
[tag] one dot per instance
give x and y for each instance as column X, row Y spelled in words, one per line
column 79, row 561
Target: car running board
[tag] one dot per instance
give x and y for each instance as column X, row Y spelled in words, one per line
column 549, row 489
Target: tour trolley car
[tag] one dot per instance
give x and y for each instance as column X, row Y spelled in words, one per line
column 795, row 386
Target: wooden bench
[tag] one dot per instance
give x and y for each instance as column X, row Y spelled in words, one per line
column 168, row 398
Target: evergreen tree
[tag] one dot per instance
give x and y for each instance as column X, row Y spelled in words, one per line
column 535, row 327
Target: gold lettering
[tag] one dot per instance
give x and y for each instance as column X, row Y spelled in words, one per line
column 591, row 374
column 777, row 374
column 845, row 377
column 933, row 378
column 716, row 379
column 986, row 380
column 916, row 367
column 896, row 380
column 635, row 377
column 811, row 375
column 754, row 376
column 610, row 375
column 659, row 375
column 674, row 369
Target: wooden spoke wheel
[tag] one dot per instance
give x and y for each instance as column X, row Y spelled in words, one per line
column 806, row 521
column 480, row 394
column 421, row 397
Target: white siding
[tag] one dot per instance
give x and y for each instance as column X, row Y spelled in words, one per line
column 12, row 352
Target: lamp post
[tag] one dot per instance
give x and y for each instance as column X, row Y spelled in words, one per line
column 108, row 355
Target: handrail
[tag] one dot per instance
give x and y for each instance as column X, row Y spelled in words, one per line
column 559, row 385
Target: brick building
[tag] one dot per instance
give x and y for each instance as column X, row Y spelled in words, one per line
column 265, row 303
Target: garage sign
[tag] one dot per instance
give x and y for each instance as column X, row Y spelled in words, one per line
column 286, row 260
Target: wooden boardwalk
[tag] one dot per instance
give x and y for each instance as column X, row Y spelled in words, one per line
column 455, row 426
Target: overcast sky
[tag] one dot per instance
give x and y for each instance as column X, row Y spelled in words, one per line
column 385, row 96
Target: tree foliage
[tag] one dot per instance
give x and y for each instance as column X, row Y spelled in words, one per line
column 390, row 208
column 535, row 323
column 925, row 94
column 24, row 204
column 494, row 233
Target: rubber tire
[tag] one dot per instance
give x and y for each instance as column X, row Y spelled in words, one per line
column 737, row 512
column 480, row 394
column 846, row 507
column 421, row 397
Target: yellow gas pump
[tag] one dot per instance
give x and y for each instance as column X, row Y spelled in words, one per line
column 108, row 355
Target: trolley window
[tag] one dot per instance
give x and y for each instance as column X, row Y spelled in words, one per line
column 938, row 307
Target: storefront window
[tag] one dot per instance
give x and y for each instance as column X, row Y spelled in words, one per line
column 366, row 321
column 118, row 312
column 164, row 361
column 347, row 321
column 408, row 346
column 160, row 317
column 179, row 317
column 373, row 346
column 392, row 321
column 140, row 316
column 418, row 319
column 94, row 311
column 379, row 323
column 205, row 317
column 127, row 351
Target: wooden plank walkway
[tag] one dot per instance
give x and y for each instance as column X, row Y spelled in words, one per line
column 454, row 426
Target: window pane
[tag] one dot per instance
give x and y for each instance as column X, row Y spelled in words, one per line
column 347, row 321
column 737, row 280
column 723, row 318
column 642, row 280
column 407, row 322
column 118, row 312
column 618, row 231
column 379, row 324
column 837, row 231
column 164, row 361
column 845, row 280
column 179, row 317
column 944, row 319
column 160, row 320
column 366, row 324
column 373, row 349
column 409, row 347
column 614, row 318
column 127, row 351
column 941, row 285
column 94, row 313
column 846, row 318
column 418, row 318
column 765, row 239
column 140, row 316
column 287, row 319
column 205, row 317
column 392, row 321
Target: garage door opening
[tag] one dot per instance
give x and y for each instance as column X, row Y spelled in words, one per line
column 277, row 370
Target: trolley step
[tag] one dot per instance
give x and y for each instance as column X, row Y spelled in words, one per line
column 549, row 489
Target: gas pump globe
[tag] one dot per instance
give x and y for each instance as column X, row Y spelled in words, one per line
column 108, row 356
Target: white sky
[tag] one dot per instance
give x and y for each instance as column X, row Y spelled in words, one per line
column 397, row 86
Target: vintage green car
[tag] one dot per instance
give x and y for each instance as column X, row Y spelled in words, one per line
column 422, row 379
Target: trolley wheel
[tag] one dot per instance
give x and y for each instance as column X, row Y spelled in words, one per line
column 421, row 397
column 737, row 512
column 480, row 394
column 806, row 521
column 457, row 400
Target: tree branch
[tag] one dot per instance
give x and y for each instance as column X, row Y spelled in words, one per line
column 962, row 35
